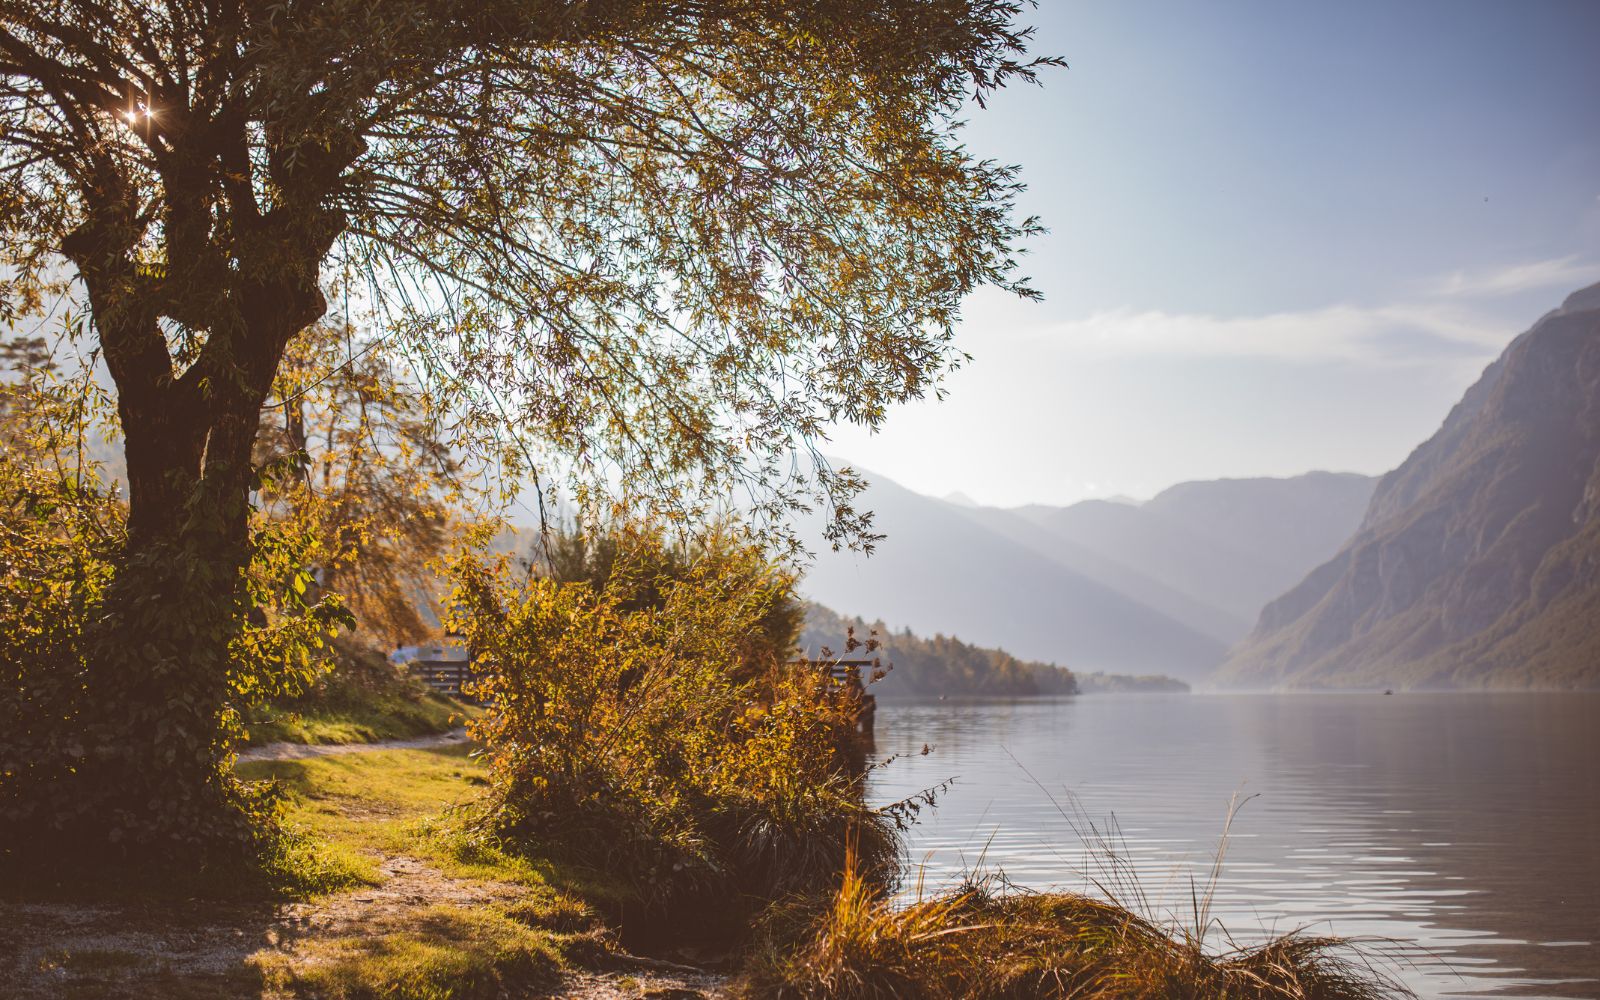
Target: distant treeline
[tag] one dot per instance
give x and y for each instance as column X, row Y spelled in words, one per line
column 1098, row 683
column 941, row 665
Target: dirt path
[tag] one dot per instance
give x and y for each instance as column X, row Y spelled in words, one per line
column 195, row 950
column 647, row 982
column 299, row 751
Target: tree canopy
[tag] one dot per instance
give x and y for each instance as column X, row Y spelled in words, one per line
column 670, row 242
column 652, row 248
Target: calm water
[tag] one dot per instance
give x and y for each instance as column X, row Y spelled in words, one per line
column 1465, row 826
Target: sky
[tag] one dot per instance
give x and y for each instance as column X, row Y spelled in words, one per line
column 1284, row 237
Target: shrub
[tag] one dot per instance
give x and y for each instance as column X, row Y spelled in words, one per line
column 56, row 542
column 642, row 720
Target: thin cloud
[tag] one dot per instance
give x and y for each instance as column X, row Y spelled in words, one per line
column 1390, row 335
column 1557, row 272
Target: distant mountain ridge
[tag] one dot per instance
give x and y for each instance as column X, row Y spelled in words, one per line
column 1161, row 587
column 943, row 571
column 1477, row 563
column 1225, row 545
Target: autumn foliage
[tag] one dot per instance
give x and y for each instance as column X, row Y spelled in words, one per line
column 650, row 725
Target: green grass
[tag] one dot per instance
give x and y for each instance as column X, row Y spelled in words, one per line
column 363, row 699
column 404, row 712
column 349, row 808
column 479, row 923
column 343, row 810
column 443, row 953
column 413, row 803
column 417, row 803
column 346, row 795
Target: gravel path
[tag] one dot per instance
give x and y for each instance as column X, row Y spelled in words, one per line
column 298, row 751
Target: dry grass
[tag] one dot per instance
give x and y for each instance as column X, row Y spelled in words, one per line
column 987, row 941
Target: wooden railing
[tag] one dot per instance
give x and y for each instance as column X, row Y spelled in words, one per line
column 848, row 674
column 444, row 676
column 448, row 677
column 839, row 671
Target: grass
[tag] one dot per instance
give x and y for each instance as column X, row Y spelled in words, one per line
column 363, row 798
column 443, row 953
column 417, row 803
column 980, row 944
column 345, row 811
column 362, row 700
column 391, row 717
column 411, row 804
column 398, row 901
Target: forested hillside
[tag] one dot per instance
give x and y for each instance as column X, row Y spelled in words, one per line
column 940, row 665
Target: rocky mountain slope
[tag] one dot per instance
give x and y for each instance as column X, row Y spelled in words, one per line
column 1478, row 561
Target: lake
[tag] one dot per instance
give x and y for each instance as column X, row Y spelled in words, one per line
column 1465, row 828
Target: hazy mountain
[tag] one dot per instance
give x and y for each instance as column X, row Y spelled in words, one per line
column 1160, row 587
column 1227, row 546
column 944, row 571
column 1478, row 561
column 1195, row 613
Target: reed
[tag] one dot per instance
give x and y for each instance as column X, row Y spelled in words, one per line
column 988, row 940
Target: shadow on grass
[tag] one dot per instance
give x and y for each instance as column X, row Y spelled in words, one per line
column 366, row 895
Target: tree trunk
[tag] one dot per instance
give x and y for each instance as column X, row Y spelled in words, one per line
column 156, row 779
column 149, row 763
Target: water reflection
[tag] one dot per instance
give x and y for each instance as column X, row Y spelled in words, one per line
column 1464, row 827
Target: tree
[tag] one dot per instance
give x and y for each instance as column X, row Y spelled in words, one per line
column 373, row 482
column 658, row 246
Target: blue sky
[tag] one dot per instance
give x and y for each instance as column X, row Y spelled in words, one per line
column 1285, row 237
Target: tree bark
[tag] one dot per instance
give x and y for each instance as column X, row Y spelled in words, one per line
column 155, row 779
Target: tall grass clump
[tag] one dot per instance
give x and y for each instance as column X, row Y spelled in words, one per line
column 989, row 941
column 642, row 719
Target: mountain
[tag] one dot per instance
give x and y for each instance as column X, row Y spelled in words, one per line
column 1161, row 587
column 1477, row 563
column 1022, row 527
column 943, row 571
column 1226, row 546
